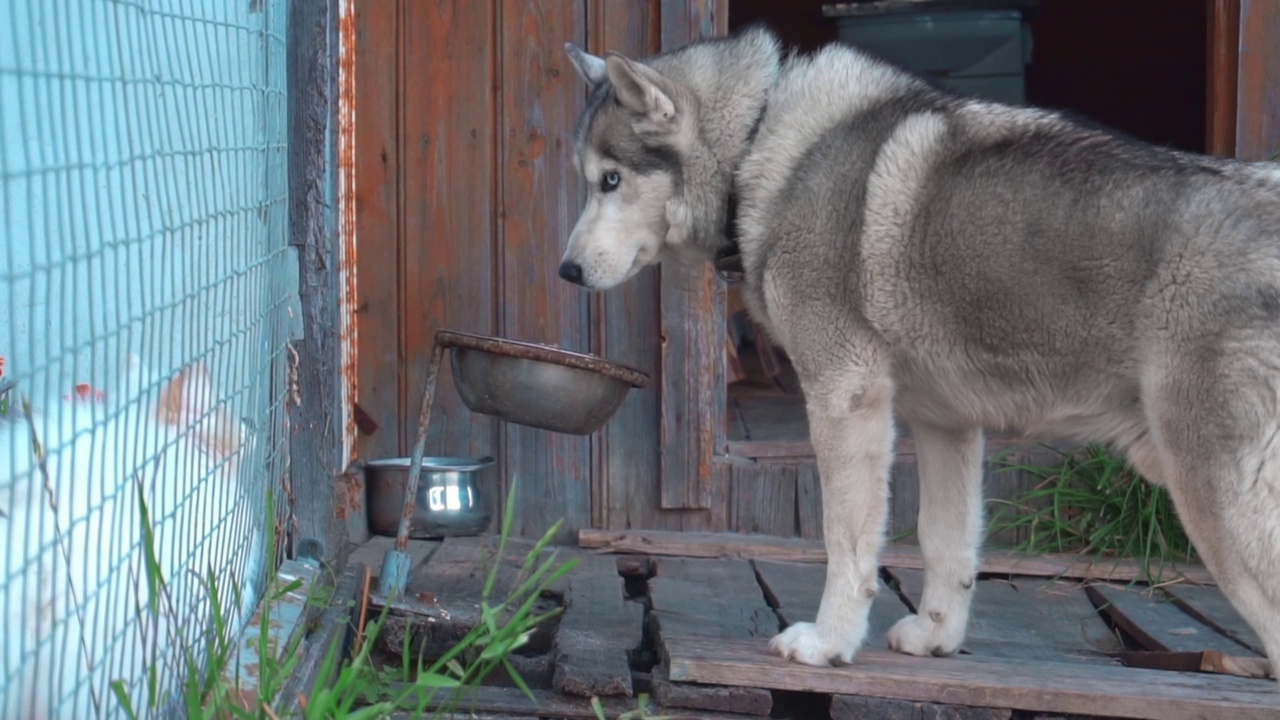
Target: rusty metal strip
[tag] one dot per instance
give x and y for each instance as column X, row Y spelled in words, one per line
column 543, row 353
column 346, row 169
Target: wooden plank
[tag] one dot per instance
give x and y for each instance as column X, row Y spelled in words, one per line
column 727, row 545
column 692, row 312
column 316, row 420
column 1210, row 661
column 709, row 598
column 794, row 590
column 377, row 196
column 285, row 630
column 627, row 324
column 1209, row 606
column 1028, row 619
column 1076, row 688
column 764, row 499
column 691, row 696
column 1223, row 65
column 334, row 628
column 597, row 630
column 372, row 551
column 442, row 597
column 716, row 599
column 501, row 702
column 1258, row 98
column 1158, row 624
column 809, row 500
column 541, row 192
column 448, row 234
column 851, row 707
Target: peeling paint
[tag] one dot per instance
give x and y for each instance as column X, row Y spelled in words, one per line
column 287, row 614
column 349, row 301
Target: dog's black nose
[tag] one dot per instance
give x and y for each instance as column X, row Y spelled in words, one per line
column 571, row 271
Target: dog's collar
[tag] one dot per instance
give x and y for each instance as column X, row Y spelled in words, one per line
column 728, row 259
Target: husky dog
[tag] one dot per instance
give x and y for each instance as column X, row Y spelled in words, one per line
column 964, row 266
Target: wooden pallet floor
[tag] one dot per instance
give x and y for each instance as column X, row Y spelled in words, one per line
column 692, row 632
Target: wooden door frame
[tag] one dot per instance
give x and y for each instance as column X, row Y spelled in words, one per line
column 1243, row 113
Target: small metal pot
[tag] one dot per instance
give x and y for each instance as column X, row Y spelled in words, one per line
column 448, row 502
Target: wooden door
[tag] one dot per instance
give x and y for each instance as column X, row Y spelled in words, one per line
column 465, row 195
column 1244, row 79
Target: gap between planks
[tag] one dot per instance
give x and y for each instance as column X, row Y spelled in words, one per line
column 764, row 547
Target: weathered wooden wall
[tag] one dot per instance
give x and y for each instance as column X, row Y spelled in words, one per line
column 466, row 194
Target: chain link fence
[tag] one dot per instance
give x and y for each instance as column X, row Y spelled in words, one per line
column 147, row 294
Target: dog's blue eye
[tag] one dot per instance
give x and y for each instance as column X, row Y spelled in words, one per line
column 609, row 182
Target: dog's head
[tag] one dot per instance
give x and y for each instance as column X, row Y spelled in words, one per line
column 629, row 146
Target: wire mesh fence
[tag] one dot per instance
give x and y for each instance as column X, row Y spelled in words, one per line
column 147, row 293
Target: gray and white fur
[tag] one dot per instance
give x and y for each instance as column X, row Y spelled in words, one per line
column 961, row 266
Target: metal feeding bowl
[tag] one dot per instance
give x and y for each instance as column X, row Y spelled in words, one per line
column 540, row 386
column 446, row 504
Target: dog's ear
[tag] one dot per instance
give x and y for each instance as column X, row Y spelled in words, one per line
column 638, row 90
column 590, row 68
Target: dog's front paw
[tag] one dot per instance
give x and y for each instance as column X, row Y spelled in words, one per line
column 926, row 635
column 803, row 643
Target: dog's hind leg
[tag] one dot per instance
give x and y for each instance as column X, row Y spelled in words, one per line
column 851, row 426
column 1220, row 430
column 950, row 531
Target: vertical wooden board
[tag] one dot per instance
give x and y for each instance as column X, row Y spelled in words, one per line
column 717, row 517
column 684, row 20
column 1002, row 485
column 693, row 326
column 1258, row 111
column 692, row 384
column 904, row 497
column 377, row 222
column 541, row 194
column 627, row 450
column 764, row 499
column 316, row 437
column 809, row 500
column 1221, row 74
column 448, row 233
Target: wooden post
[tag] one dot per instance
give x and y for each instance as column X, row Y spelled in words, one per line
column 693, row 321
column 315, row 446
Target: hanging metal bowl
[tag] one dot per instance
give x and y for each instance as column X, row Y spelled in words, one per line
column 539, row 386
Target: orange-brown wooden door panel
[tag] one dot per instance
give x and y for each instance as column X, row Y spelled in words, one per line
column 1258, row 105
column 1244, row 79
